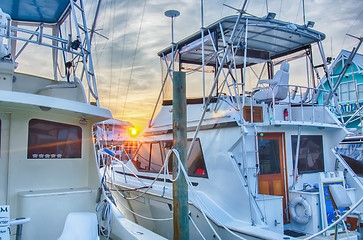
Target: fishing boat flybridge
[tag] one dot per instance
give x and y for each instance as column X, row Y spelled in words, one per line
column 261, row 158
column 49, row 177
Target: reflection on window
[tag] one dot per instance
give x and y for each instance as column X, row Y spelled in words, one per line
column 311, row 157
column 352, row 152
column 196, row 164
column 151, row 156
column 156, row 159
column 142, row 157
column 53, row 140
column 269, row 156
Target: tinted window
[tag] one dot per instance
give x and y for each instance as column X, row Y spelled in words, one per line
column 269, row 156
column 53, row 140
column 156, row 158
column 196, row 164
column 311, row 157
column 151, row 156
column 142, row 158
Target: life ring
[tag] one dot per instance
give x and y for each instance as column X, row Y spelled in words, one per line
column 302, row 219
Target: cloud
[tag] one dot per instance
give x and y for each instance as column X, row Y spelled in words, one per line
column 131, row 75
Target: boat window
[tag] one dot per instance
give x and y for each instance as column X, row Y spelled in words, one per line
column 156, row 158
column 53, row 140
column 310, row 153
column 196, row 164
column 142, row 158
column 352, row 153
column 151, row 156
column 269, row 156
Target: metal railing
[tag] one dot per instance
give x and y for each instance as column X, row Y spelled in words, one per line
column 306, row 99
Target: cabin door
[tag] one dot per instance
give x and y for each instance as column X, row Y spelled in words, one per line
column 271, row 179
column 4, row 157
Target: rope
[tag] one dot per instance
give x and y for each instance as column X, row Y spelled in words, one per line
column 199, row 201
column 103, row 211
column 164, row 167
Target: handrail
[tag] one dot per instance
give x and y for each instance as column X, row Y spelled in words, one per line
column 19, row 223
column 308, row 96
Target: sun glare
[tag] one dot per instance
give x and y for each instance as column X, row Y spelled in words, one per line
column 133, row 132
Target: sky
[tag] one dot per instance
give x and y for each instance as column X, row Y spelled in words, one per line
column 128, row 69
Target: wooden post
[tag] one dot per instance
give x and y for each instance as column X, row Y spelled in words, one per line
column 180, row 187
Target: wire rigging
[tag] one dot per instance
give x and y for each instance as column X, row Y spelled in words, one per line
column 351, row 26
column 113, row 5
column 134, row 58
column 122, row 54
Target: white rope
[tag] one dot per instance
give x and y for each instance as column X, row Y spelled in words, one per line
column 150, row 186
column 103, row 211
column 199, row 202
column 164, row 167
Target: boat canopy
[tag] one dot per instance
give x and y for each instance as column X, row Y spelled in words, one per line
column 40, row 11
column 267, row 39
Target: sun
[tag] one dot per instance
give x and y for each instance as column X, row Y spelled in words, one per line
column 133, row 132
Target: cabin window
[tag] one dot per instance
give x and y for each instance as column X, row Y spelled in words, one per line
column 143, row 157
column 50, row 140
column 310, row 157
column 151, row 156
column 156, row 159
column 269, row 156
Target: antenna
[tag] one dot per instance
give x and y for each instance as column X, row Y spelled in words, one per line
column 242, row 11
column 172, row 14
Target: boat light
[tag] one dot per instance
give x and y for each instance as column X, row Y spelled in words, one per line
column 310, row 24
column 83, row 121
column 271, row 15
column 44, row 108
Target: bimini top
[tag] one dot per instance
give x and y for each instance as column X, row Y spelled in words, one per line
column 266, row 39
column 43, row 11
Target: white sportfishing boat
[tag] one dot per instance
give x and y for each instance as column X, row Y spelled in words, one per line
column 49, row 177
column 261, row 163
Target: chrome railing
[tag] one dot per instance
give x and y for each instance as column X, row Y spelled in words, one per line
column 305, row 100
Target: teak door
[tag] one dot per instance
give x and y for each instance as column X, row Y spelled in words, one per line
column 271, row 179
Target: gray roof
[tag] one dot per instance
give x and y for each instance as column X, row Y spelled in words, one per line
column 266, row 39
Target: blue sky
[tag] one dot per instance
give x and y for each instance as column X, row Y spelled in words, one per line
column 128, row 69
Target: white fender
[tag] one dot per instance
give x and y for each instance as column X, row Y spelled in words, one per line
column 302, row 219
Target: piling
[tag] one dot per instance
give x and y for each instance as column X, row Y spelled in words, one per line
column 180, row 187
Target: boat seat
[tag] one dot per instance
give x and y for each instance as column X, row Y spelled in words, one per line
column 339, row 196
column 274, row 90
column 80, row 226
